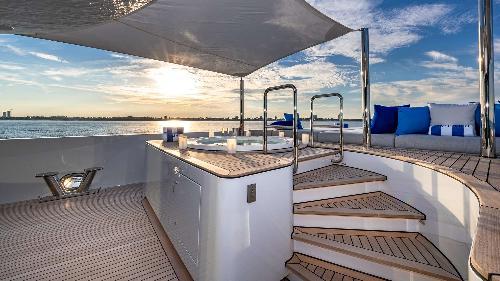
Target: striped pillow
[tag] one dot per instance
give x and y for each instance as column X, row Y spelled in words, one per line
column 452, row 130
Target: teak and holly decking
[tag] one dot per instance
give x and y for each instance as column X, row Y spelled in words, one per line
column 39, row 239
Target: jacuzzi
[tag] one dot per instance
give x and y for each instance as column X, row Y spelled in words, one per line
column 218, row 143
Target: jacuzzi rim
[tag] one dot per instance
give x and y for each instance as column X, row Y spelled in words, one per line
column 287, row 144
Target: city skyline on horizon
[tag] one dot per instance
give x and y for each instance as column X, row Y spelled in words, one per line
column 421, row 51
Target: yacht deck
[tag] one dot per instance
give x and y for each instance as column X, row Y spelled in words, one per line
column 106, row 235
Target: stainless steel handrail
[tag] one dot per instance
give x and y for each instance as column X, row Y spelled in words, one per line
column 295, row 122
column 341, row 120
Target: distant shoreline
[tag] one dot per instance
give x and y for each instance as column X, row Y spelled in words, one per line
column 59, row 118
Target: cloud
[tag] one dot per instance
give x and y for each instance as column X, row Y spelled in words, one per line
column 497, row 45
column 441, row 57
column 67, row 72
column 21, row 52
column 46, row 56
column 447, row 81
column 389, row 29
column 11, row 67
column 15, row 50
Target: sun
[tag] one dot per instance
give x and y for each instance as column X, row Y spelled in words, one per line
column 174, row 82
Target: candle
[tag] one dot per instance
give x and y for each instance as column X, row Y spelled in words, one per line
column 305, row 139
column 182, row 142
column 211, row 133
column 248, row 133
column 235, row 131
column 231, row 145
column 281, row 134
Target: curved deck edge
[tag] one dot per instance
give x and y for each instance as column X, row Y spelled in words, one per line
column 484, row 257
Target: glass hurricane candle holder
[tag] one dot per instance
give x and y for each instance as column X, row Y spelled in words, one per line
column 231, row 145
column 281, row 134
column 305, row 139
column 182, row 142
column 211, row 133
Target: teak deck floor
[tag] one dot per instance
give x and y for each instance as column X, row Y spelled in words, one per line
column 484, row 169
column 102, row 236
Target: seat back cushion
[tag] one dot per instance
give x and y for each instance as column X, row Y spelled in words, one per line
column 385, row 119
column 452, row 114
column 413, row 120
column 497, row 120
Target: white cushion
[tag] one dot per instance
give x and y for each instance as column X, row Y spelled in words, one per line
column 452, row 114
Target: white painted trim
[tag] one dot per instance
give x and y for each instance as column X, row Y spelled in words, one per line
column 313, row 194
column 352, row 222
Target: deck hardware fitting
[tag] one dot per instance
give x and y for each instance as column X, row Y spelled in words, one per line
column 75, row 183
column 251, row 193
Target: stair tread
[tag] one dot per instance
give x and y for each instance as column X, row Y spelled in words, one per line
column 312, row 269
column 334, row 175
column 310, row 153
column 372, row 204
column 407, row 250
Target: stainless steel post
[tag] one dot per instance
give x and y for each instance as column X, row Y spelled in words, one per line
column 365, row 86
column 486, row 79
column 295, row 122
column 264, row 134
column 242, row 107
column 340, row 117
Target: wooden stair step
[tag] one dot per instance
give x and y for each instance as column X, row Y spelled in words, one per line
column 312, row 269
column 334, row 175
column 309, row 153
column 372, row 204
column 406, row 250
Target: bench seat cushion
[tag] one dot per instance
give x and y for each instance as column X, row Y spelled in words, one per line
column 442, row 143
column 355, row 137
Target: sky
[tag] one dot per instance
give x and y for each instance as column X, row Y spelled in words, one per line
column 421, row 52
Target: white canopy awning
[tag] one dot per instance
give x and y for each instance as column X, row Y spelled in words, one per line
column 234, row 37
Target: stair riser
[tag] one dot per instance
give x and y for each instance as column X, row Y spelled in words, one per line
column 363, row 265
column 293, row 277
column 320, row 193
column 363, row 223
column 313, row 164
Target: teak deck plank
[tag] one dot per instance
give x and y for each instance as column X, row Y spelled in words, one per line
column 334, row 175
column 313, row 269
column 494, row 175
column 405, row 249
column 481, row 171
column 372, row 204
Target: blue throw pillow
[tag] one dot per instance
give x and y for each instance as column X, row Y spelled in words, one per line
column 413, row 120
column 289, row 118
column 497, row 120
column 385, row 119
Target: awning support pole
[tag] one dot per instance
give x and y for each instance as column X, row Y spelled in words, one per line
column 242, row 107
column 365, row 86
column 486, row 81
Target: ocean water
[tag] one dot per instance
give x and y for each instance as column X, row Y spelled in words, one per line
column 11, row 129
